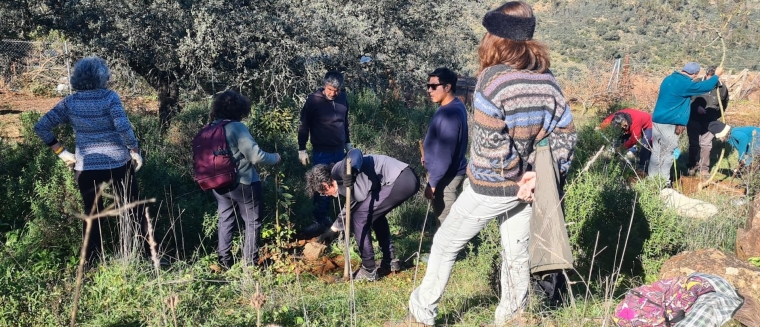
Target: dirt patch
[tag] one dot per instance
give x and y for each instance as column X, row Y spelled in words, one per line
column 689, row 185
column 13, row 104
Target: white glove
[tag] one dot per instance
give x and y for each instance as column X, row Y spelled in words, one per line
column 349, row 147
column 68, row 158
column 137, row 160
column 304, row 157
column 630, row 155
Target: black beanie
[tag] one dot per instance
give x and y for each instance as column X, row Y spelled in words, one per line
column 509, row 27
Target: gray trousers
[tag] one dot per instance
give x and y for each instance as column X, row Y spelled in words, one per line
column 700, row 145
column 664, row 142
column 445, row 194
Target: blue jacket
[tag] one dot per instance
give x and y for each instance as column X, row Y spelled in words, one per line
column 746, row 141
column 673, row 101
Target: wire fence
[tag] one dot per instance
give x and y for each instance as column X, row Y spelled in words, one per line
column 42, row 68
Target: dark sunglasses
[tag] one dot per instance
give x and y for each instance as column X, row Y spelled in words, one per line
column 433, row 86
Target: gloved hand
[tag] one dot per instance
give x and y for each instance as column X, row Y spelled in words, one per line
column 701, row 110
column 137, row 160
column 630, row 155
column 304, row 157
column 328, row 237
column 348, row 180
column 69, row 158
column 349, row 147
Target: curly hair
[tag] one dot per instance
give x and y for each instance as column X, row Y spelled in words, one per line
column 530, row 54
column 90, row 73
column 316, row 176
column 230, row 105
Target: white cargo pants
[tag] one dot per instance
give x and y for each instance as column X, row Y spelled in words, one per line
column 469, row 215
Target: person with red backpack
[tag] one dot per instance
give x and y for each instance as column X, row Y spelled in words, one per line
column 243, row 194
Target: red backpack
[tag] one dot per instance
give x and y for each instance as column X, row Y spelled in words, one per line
column 213, row 163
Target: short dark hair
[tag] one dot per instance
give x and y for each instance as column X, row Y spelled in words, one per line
column 230, row 105
column 316, row 176
column 711, row 70
column 445, row 76
column 621, row 117
column 334, row 79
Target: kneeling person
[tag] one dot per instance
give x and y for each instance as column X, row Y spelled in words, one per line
column 380, row 184
column 636, row 127
column 745, row 139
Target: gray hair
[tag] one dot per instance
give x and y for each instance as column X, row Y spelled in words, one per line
column 334, row 79
column 90, row 73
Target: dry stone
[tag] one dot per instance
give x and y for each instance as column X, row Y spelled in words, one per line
column 312, row 251
column 748, row 238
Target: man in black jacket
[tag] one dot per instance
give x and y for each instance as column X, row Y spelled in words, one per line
column 704, row 109
column 324, row 119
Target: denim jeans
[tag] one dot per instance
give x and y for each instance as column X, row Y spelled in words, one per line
column 322, row 203
column 469, row 215
column 664, row 143
column 245, row 200
column 646, row 149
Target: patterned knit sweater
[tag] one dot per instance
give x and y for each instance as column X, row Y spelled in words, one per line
column 102, row 131
column 514, row 110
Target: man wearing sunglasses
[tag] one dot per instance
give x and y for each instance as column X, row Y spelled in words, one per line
column 636, row 128
column 445, row 144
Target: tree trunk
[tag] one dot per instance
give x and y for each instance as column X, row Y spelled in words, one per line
column 167, row 88
column 166, row 84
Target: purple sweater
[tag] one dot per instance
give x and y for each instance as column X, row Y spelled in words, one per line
column 446, row 143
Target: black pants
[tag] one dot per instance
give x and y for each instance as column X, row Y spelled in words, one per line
column 370, row 214
column 125, row 188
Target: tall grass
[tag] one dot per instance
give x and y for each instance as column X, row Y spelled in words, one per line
column 40, row 235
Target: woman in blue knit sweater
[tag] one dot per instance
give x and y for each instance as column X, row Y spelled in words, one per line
column 106, row 147
column 518, row 104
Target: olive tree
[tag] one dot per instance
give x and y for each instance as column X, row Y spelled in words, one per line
column 277, row 48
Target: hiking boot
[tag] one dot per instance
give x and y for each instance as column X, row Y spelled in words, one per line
column 409, row 321
column 392, row 266
column 314, row 229
column 365, row 274
column 704, row 174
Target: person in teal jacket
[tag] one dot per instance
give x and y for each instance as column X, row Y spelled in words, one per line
column 745, row 139
column 671, row 114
